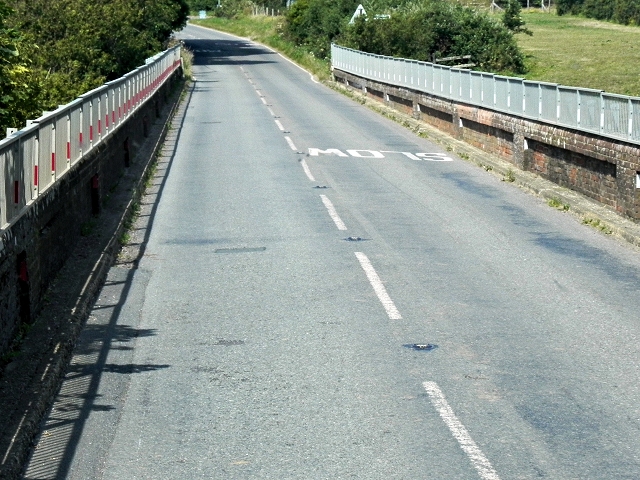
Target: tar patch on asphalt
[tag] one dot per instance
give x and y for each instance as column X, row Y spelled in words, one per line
column 240, row 250
column 422, row 347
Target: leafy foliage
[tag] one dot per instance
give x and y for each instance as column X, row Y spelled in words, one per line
column 626, row 12
column 432, row 27
column 197, row 5
column 314, row 24
column 233, row 8
column 512, row 18
column 76, row 45
column 18, row 86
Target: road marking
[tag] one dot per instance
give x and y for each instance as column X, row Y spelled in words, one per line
column 332, row 213
column 419, row 157
column 378, row 287
column 279, row 125
column 406, row 154
column 305, row 167
column 263, row 100
column 479, row 461
column 258, row 92
column 293, row 147
column 367, row 154
column 271, row 112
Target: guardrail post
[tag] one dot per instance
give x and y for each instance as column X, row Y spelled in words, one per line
column 630, row 128
column 601, row 113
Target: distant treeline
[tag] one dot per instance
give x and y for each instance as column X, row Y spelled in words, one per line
column 626, row 12
column 234, row 8
column 54, row 50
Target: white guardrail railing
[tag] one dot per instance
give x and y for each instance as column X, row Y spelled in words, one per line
column 593, row 111
column 36, row 157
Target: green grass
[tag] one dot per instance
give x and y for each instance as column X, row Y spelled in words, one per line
column 509, row 176
column 266, row 30
column 557, row 204
column 597, row 224
column 581, row 52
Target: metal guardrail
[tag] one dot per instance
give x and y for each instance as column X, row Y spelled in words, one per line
column 587, row 110
column 36, row 157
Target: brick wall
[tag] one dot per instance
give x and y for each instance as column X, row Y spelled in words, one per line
column 601, row 168
column 35, row 247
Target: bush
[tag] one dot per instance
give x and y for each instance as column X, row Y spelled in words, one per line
column 440, row 28
column 19, row 87
column 626, row 12
column 233, row 8
column 572, row 7
column 76, row 45
column 314, row 24
column 598, row 9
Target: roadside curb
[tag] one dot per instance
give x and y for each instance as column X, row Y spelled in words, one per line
column 588, row 211
column 45, row 374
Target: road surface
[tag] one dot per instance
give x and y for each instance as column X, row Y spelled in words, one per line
column 325, row 295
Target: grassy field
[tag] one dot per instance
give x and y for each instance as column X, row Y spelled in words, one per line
column 581, row 52
column 568, row 50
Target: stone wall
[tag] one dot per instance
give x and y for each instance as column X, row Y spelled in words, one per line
column 36, row 246
column 604, row 169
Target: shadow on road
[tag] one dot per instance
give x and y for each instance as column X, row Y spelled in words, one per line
column 226, row 52
column 105, row 333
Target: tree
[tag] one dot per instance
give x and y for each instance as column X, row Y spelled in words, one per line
column 197, row 5
column 19, row 88
column 627, row 12
column 572, row 7
column 76, row 45
column 314, row 24
column 423, row 28
column 512, row 18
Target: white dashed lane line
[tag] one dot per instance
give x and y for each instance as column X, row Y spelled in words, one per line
column 305, row 167
column 333, row 213
column 378, row 287
column 458, row 430
column 291, row 144
column 479, row 461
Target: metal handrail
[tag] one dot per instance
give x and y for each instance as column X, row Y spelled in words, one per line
column 587, row 110
column 36, row 157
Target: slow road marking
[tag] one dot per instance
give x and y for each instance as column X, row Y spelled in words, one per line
column 418, row 157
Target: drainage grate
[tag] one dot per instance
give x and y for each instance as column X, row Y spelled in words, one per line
column 240, row 250
column 423, row 347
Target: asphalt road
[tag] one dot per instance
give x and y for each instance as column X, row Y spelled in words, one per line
column 325, row 295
